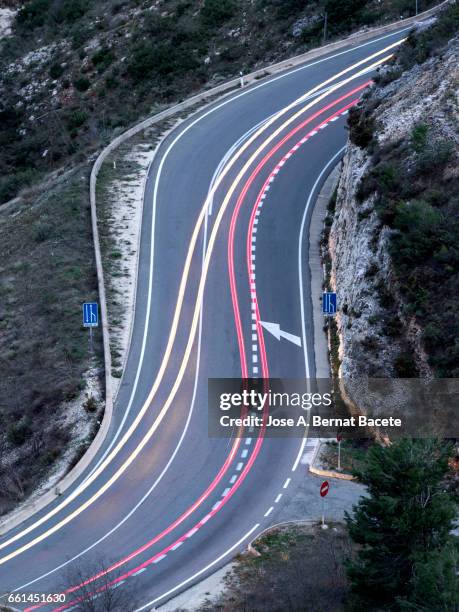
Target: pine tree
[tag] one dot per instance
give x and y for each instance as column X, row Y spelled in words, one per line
column 435, row 584
column 406, row 517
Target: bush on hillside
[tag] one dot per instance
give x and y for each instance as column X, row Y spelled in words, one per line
column 214, row 13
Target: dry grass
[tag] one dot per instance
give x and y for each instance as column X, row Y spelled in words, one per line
column 299, row 568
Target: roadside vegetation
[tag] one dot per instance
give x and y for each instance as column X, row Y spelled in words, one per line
column 299, row 567
column 415, row 187
column 352, row 455
column 394, row 552
column 46, row 272
column 406, row 557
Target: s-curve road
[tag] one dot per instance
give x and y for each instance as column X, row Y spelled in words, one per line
column 226, row 212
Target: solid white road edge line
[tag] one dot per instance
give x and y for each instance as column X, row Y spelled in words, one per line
column 202, row 571
column 324, row 170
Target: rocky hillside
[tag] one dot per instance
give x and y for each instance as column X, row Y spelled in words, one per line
column 394, row 239
column 73, row 71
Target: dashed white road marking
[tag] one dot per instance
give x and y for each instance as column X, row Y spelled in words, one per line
column 278, row 498
column 239, row 466
column 140, row 571
column 248, row 441
column 190, row 533
column 118, row 584
column 268, row 512
column 233, row 478
column 244, row 453
column 177, row 545
column 161, row 557
column 287, row 482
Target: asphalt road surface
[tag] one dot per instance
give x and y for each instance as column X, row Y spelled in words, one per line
column 164, row 505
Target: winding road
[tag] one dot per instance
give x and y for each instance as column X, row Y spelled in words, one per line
column 227, row 206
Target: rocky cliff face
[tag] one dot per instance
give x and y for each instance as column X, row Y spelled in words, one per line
column 360, row 264
column 381, row 334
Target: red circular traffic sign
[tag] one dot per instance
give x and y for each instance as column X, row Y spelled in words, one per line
column 324, row 487
column 339, row 437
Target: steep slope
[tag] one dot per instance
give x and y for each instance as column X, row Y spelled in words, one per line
column 394, row 239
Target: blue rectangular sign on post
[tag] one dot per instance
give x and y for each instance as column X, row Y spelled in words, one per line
column 90, row 314
column 329, row 303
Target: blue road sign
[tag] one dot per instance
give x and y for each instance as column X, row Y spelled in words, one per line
column 329, row 303
column 90, row 314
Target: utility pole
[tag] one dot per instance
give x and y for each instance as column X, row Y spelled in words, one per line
column 416, row 7
column 325, row 25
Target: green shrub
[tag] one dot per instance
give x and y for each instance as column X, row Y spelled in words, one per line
column 77, row 119
column 68, row 11
column 419, row 137
column 37, row 13
column 214, row 13
column 103, row 58
column 361, row 127
column 434, row 156
column 343, row 14
column 404, row 365
column 18, row 433
column 90, row 404
column 82, row 83
column 160, row 60
column 42, row 232
column 289, row 8
column 420, row 232
column 33, row 14
column 12, row 184
column 56, row 70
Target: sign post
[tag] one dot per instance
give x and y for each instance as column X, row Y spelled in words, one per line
column 329, row 303
column 324, row 488
column 338, row 439
column 90, row 318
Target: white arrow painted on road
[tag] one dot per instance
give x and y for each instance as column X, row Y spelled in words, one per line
column 276, row 331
